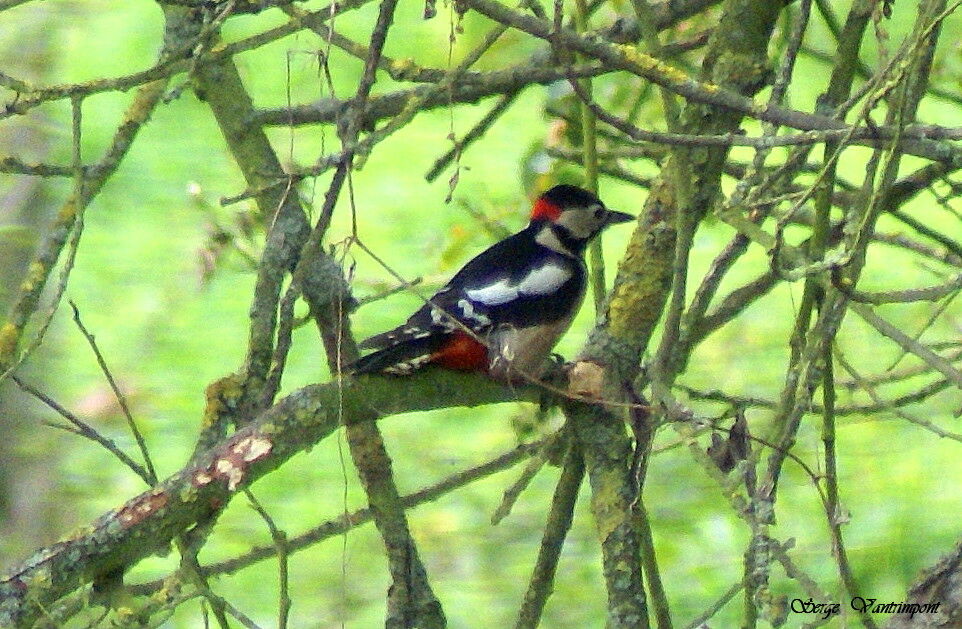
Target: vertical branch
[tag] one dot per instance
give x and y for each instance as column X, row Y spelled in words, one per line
column 655, row 258
column 589, row 150
column 840, row 84
column 756, row 555
column 411, row 601
column 649, row 34
column 279, row 538
column 802, row 373
column 76, row 151
column 678, row 174
column 192, row 570
column 220, row 85
column 833, row 508
column 607, row 453
column 556, row 529
column 831, row 463
column 860, row 223
column 659, row 600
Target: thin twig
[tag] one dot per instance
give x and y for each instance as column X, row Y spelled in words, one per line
column 883, row 405
column 240, row 616
column 512, row 493
column 741, row 401
column 390, row 292
column 833, row 508
column 659, row 599
column 589, row 152
column 608, row 168
column 475, row 133
column 362, row 148
column 907, row 343
column 280, row 544
column 86, row 430
column 15, row 166
column 780, row 553
column 121, row 398
column 705, row 616
column 171, row 63
column 928, row 293
column 937, row 312
column 69, row 225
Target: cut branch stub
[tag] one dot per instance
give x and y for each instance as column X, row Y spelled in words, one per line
column 586, row 379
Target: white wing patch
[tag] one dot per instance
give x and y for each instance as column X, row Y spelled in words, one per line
column 494, row 294
column 543, row 280
column 408, row 366
column 467, row 312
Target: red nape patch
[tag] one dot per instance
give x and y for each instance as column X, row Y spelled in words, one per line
column 462, row 352
column 545, row 210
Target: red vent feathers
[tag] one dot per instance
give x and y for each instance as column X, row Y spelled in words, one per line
column 462, row 352
column 545, row 210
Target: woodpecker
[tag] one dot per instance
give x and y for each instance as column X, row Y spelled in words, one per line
column 503, row 312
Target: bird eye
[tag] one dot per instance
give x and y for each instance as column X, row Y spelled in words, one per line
column 599, row 212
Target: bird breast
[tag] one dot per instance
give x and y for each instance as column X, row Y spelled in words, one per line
column 522, row 352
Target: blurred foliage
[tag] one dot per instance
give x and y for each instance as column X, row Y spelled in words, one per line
column 164, row 280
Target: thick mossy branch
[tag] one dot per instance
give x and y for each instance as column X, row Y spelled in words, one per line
column 146, row 524
column 677, row 202
column 735, row 59
column 221, row 87
column 641, row 287
column 607, row 454
column 935, row 600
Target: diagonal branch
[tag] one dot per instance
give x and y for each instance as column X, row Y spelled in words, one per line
column 28, row 297
column 147, row 523
column 556, row 529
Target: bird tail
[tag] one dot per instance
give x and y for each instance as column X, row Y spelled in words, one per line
column 400, row 358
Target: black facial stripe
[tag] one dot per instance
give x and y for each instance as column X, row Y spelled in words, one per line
column 567, row 239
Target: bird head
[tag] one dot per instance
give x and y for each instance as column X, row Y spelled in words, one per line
column 566, row 218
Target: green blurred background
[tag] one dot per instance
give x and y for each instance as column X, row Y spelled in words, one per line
column 169, row 324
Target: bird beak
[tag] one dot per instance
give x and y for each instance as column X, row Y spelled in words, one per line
column 617, row 217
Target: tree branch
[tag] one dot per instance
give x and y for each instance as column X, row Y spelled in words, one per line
column 148, row 522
